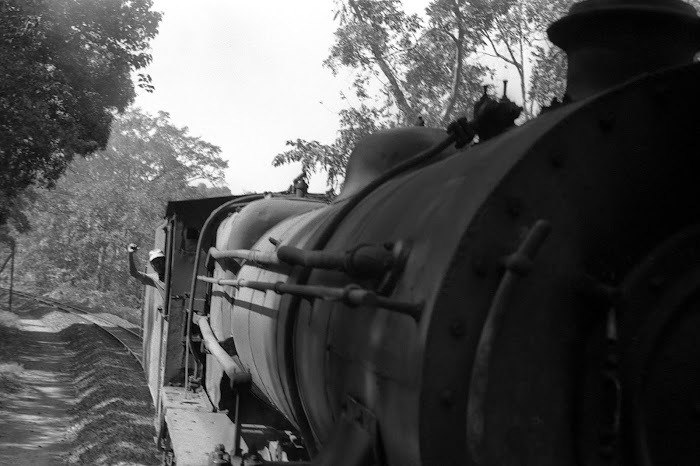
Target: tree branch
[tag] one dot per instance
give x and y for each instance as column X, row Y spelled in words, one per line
column 494, row 48
column 514, row 61
column 396, row 90
column 418, row 41
column 457, row 65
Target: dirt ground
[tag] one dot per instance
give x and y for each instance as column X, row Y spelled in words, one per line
column 68, row 396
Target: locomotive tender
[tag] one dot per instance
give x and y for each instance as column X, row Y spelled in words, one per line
column 528, row 300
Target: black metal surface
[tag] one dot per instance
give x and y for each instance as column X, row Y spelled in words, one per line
column 593, row 358
column 609, row 42
column 518, row 265
column 659, row 323
column 555, row 395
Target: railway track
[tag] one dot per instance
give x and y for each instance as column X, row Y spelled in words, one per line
column 130, row 339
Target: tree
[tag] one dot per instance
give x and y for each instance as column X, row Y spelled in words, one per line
column 548, row 78
column 424, row 68
column 66, row 68
column 354, row 124
column 517, row 37
column 404, row 67
column 113, row 197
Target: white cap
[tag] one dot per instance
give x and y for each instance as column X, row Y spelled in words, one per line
column 154, row 254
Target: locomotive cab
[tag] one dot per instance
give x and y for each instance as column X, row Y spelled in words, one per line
column 528, row 300
column 164, row 321
column 194, row 400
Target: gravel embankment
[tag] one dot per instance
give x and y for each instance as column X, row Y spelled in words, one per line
column 69, row 395
column 113, row 413
column 10, row 336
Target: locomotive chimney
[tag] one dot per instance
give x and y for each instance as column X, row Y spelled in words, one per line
column 611, row 41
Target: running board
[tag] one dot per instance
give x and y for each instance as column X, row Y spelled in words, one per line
column 194, row 428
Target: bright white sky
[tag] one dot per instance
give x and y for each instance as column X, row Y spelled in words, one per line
column 248, row 76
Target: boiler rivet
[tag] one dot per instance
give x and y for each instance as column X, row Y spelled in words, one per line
column 446, row 397
column 458, row 329
column 606, row 123
column 696, row 409
column 479, row 268
column 556, row 160
column 513, row 207
column 657, row 282
column 606, row 451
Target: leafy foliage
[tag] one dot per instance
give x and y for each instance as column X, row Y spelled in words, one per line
column 423, row 67
column 432, row 66
column 370, row 39
column 66, row 68
column 114, row 197
column 354, row 124
column 516, row 37
column 547, row 81
column 408, row 65
column 404, row 67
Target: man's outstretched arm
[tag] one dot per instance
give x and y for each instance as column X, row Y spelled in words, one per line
column 133, row 271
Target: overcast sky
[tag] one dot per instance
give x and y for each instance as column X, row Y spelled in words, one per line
column 248, row 76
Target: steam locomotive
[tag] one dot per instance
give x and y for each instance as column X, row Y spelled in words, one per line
column 530, row 299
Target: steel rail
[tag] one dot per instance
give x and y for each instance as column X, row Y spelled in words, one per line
column 103, row 324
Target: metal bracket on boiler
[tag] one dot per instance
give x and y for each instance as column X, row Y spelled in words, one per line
column 383, row 263
column 363, row 261
column 352, row 295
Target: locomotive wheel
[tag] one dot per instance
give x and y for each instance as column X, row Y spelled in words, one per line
column 659, row 322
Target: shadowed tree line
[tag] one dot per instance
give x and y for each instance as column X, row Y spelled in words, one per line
column 78, row 230
column 80, row 176
column 65, row 69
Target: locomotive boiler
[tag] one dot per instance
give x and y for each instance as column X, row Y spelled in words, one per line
column 530, row 299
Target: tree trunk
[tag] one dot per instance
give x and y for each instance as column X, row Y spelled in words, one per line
column 457, row 66
column 100, row 268
column 396, row 91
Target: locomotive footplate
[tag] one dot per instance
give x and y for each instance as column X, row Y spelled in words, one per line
column 194, row 427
